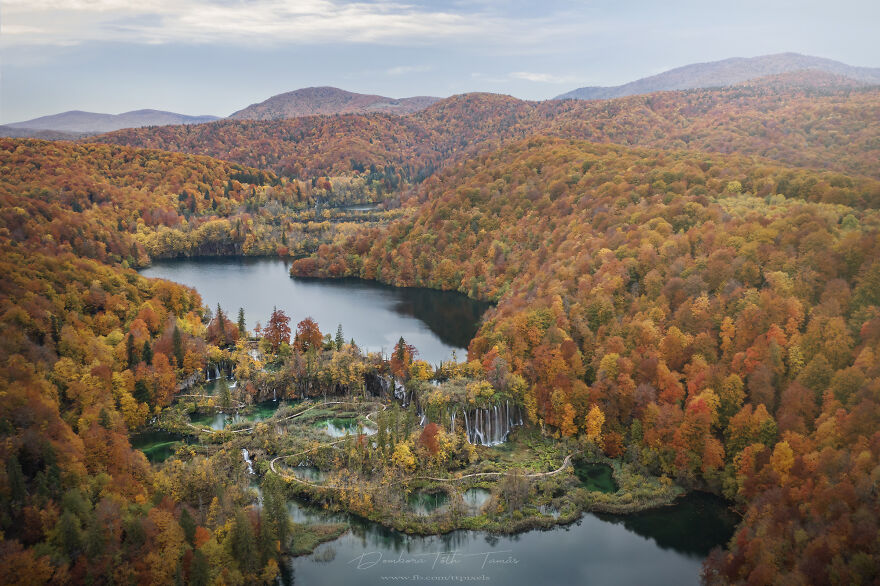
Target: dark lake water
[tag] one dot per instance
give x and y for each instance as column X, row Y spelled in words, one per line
column 632, row 549
column 376, row 316
column 596, row 477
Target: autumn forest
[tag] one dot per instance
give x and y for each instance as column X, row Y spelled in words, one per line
column 683, row 289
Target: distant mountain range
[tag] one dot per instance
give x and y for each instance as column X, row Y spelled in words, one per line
column 303, row 102
column 329, row 100
column 725, row 73
column 77, row 123
column 784, row 69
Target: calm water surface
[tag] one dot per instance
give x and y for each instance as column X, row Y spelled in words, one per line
column 376, row 316
column 219, row 421
column 610, row 550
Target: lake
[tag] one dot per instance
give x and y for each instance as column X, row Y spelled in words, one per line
column 374, row 315
column 665, row 546
column 220, row 420
column 631, row 549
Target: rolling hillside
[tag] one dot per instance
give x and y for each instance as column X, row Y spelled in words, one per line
column 328, row 100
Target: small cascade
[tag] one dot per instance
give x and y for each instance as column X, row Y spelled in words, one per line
column 453, row 422
column 247, row 460
column 378, row 385
column 214, row 370
column 490, row 426
column 399, row 392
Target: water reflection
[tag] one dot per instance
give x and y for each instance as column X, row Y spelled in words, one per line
column 594, row 550
column 475, row 499
column 376, row 316
column 693, row 526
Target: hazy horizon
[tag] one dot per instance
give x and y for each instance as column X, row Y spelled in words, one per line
column 216, row 57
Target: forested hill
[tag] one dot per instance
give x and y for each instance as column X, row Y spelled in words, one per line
column 102, row 201
column 92, row 351
column 75, row 499
column 824, row 126
column 127, row 205
column 727, row 332
column 328, row 100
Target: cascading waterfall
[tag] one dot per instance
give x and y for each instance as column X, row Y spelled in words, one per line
column 380, row 385
column 211, row 372
column 247, row 460
column 490, row 426
column 214, row 370
column 399, row 392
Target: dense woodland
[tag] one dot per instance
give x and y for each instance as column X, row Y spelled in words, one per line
column 118, row 204
column 724, row 330
column 706, row 317
column 791, row 120
column 92, row 351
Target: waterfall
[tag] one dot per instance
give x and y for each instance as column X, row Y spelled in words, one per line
column 212, row 372
column 399, row 391
column 453, row 422
column 490, row 426
column 247, row 460
column 274, row 395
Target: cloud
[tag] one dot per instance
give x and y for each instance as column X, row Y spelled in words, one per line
column 542, row 77
column 248, row 21
column 19, row 29
column 407, row 69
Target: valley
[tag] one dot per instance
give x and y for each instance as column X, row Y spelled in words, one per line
column 631, row 340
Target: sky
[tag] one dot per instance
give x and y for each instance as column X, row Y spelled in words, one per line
column 218, row 56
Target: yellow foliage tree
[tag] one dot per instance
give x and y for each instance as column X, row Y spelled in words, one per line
column 403, row 458
column 782, row 460
column 420, row 370
column 593, row 423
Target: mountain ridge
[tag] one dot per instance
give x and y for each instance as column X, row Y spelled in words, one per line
column 318, row 100
column 80, row 122
column 460, row 125
column 725, row 72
